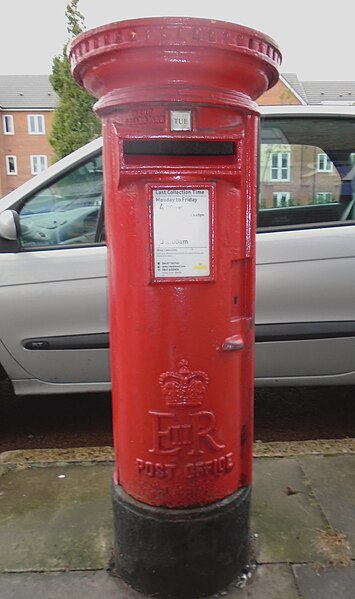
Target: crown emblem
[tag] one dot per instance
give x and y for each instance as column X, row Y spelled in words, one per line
column 184, row 387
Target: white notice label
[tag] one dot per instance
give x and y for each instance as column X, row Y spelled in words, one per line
column 181, row 229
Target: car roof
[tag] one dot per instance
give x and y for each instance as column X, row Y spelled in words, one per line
column 90, row 149
column 301, row 110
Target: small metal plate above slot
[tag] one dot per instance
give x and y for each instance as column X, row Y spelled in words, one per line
column 180, row 120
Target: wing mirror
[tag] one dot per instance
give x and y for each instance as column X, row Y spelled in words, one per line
column 9, row 225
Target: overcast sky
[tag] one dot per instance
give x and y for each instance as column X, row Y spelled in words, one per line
column 317, row 39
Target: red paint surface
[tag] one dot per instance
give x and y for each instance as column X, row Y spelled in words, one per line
column 182, row 405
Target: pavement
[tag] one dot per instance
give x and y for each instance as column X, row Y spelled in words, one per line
column 56, row 531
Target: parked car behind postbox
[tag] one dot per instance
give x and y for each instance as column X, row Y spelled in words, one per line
column 53, row 285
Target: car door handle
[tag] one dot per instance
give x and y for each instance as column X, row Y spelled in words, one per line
column 233, row 343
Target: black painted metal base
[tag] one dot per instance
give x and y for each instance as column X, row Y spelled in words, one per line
column 180, row 553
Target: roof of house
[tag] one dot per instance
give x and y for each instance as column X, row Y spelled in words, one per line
column 26, row 91
column 35, row 91
column 320, row 92
column 323, row 92
column 295, row 84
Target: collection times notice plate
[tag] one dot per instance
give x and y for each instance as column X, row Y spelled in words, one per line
column 181, row 232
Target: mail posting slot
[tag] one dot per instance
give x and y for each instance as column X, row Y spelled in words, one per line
column 180, row 125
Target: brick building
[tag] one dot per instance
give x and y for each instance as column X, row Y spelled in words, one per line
column 26, row 107
column 296, row 175
column 284, row 92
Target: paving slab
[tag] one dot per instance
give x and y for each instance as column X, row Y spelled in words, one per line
column 284, row 513
column 56, row 518
column 56, row 531
column 271, row 581
column 335, row 583
column 333, row 481
column 60, row 585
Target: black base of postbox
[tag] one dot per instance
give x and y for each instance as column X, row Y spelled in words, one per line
column 181, row 553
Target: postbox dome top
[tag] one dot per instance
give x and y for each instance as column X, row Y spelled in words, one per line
column 143, row 59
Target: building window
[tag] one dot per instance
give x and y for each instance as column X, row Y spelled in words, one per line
column 11, row 165
column 324, row 197
column 324, row 164
column 8, row 124
column 281, row 199
column 36, row 124
column 280, row 166
column 38, row 164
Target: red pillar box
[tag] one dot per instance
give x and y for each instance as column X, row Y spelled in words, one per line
column 176, row 97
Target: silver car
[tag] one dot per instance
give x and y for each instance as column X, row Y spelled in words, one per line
column 53, row 286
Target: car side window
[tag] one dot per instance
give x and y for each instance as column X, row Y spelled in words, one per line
column 67, row 212
column 306, row 172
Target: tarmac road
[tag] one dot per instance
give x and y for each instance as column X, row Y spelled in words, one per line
column 292, row 414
